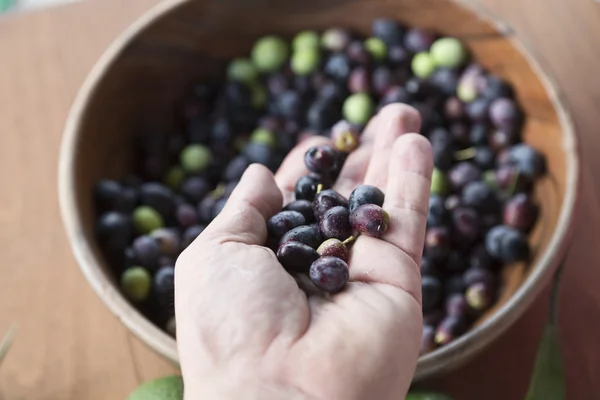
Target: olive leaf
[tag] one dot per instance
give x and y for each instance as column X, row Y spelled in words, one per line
column 548, row 379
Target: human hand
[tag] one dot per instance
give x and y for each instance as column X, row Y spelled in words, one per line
column 246, row 330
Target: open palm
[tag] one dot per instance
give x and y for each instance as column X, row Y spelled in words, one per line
column 245, row 326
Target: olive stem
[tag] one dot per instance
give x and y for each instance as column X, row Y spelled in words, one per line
column 218, row 191
column 319, row 188
column 349, row 240
column 465, row 154
column 513, row 184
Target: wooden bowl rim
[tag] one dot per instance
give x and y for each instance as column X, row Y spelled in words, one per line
column 444, row 358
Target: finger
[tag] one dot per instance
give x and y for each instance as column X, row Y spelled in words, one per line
column 293, row 167
column 355, row 167
column 377, row 261
column 407, row 194
column 394, row 120
column 244, row 218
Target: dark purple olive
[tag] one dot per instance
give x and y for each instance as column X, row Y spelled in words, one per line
column 437, row 214
column 168, row 241
column 504, row 113
column 383, row 79
column 307, row 234
column 357, row 53
column 398, row 55
column 388, row 30
column 449, row 329
column 284, row 221
column 507, row 244
column 190, row 234
column 296, row 256
column 338, row 66
column 395, row 94
column 205, row 209
column 370, row 220
column 456, row 305
column 365, row 194
column 445, row 80
column 427, row 340
column 501, row 139
column 321, row 159
column 452, row 202
column 529, row 161
column 359, row 80
column 335, row 224
column 454, row 284
column 433, row 317
column 467, row 223
column 195, row 188
column 157, row 196
column 481, row 259
column 186, row 215
column 147, row 251
column 478, row 110
column 480, row 196
column 417, row 39
column 456, row 261
column 478, row 275
column 478, row 136
column 236, row 168
column 437, row 242
column 163, row 287
column 327, row 199
column 462, row 174
column 114, row 231
column 454, row 109
column 304, row 207
column 432, row 291
column 520, row 212
column 329, row 274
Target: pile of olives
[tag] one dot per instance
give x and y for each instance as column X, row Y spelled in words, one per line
column 331, row 83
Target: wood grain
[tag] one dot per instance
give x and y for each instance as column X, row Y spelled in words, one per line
column 70, row 347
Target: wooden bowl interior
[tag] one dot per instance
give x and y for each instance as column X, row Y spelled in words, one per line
column 136, row 91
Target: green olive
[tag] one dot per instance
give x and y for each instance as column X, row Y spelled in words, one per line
column 269, row 53
column 195, row 158
column 422, row 65
column 136, row 283
column 242, row 70
column 448, row 52
column 306, row 40
column 305, row 60
column 174, row 177
column 439, row 183
column 377, row 48
column 146, row 219
column 358, row 108
column 264, row 136
column 466, row 90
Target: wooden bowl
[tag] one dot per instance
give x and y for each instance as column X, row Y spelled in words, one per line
column 133, row 86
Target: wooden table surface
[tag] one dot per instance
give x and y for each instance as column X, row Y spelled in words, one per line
column 70, row 347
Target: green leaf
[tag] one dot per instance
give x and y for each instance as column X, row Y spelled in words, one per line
column 6, row 5
column 426, row 396
column 548, row 380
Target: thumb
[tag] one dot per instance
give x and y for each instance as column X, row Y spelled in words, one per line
column 244, row 218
